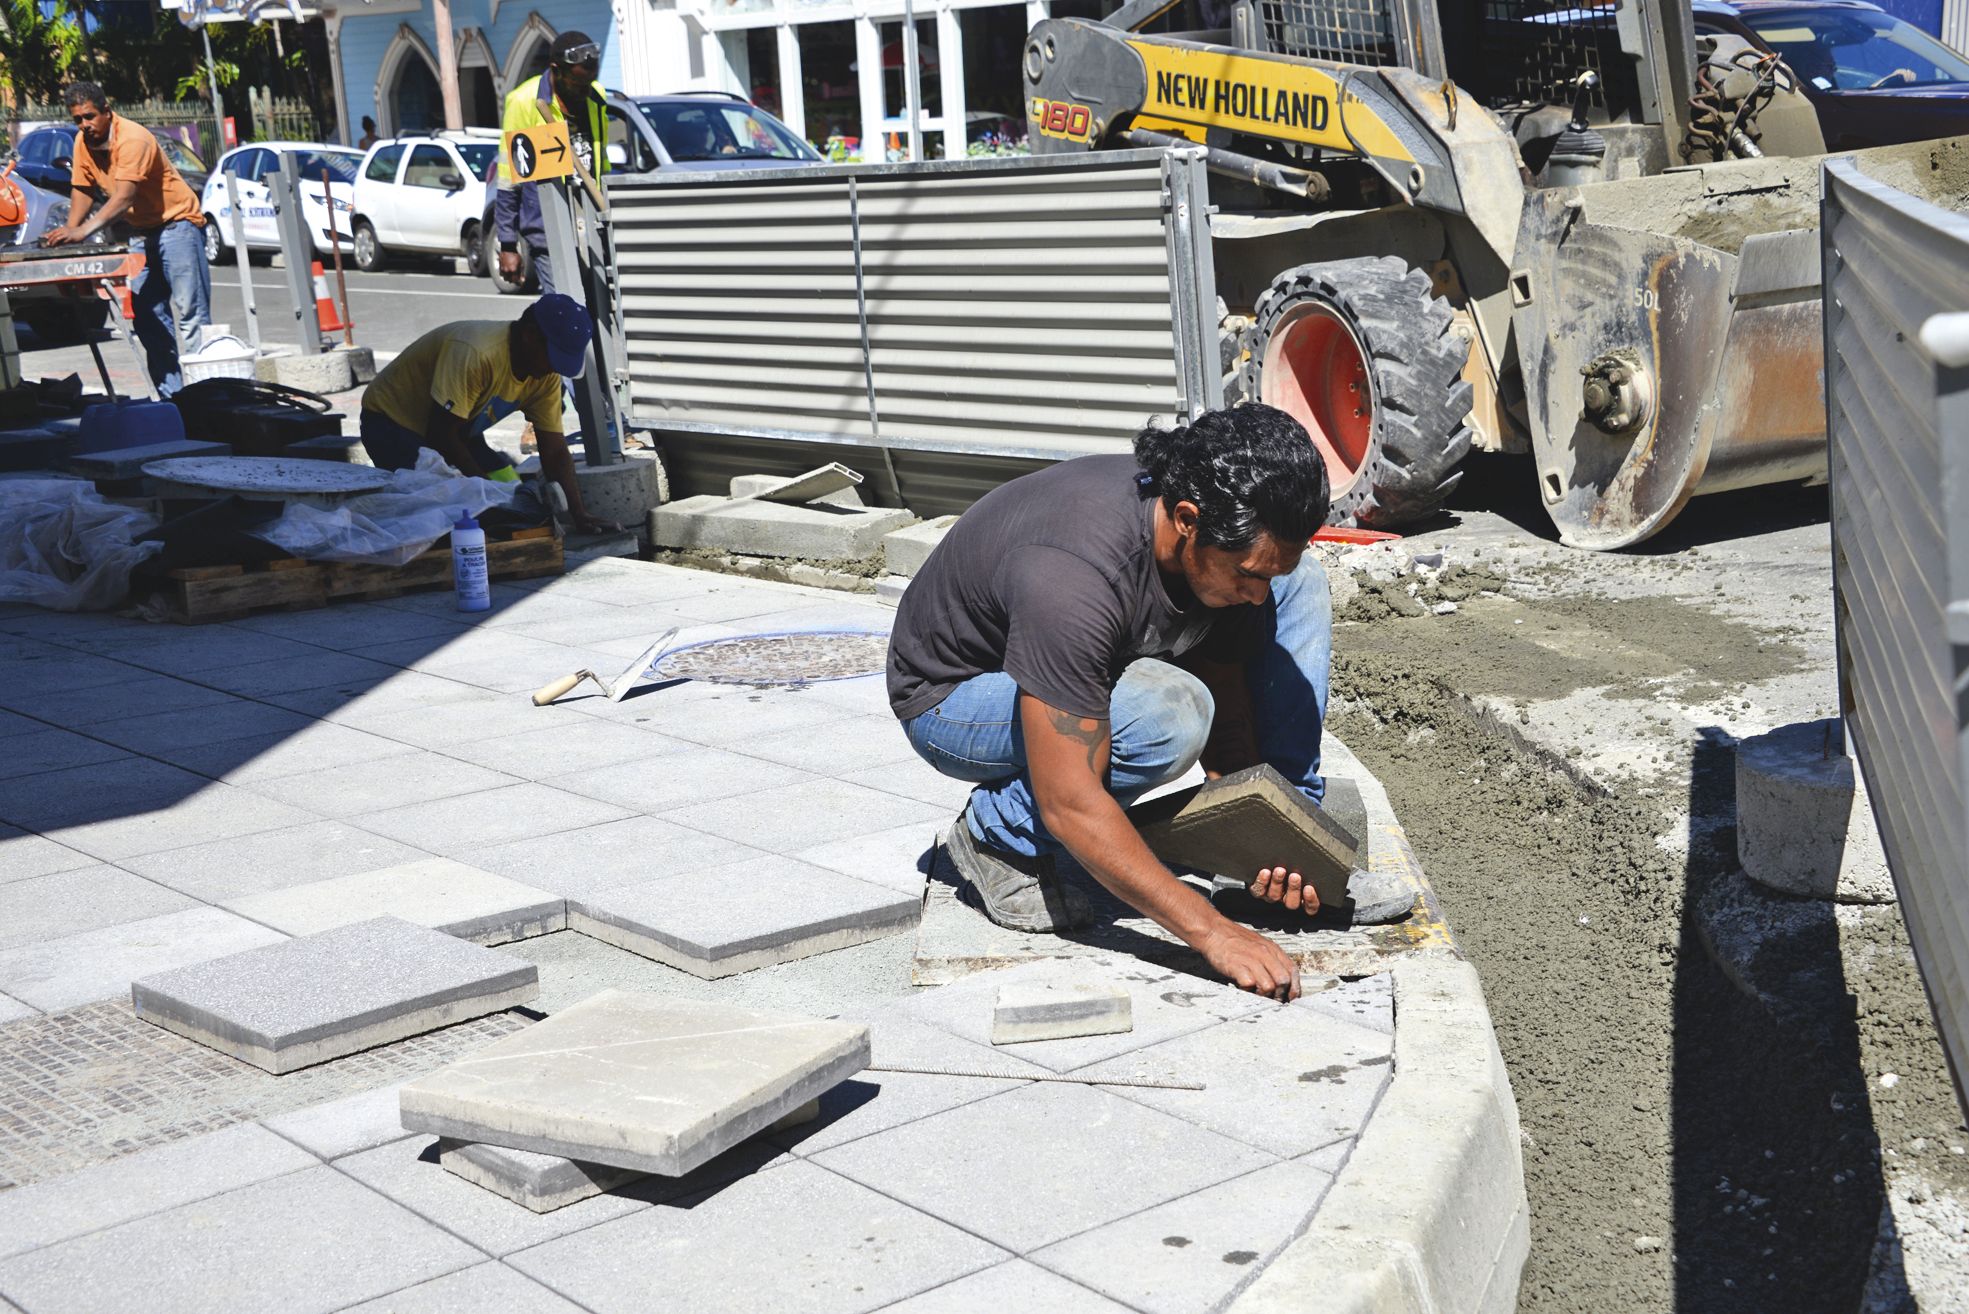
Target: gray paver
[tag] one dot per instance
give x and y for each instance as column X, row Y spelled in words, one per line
column 851, row 744
column 100, row 964
column 405, row 694
column 305, row 1001
column 1247, row 820
column 1368, row 1002
column 677, row 779
column 52, row 750
column 796, row 817
column 1113, row 1162
column 404, row 780
column 576, row 744
column 409, row 1173
column 260, row 1247
column 834, row 1247
column 211, row 724
column 349, row 1125
column 453, row 721
column 13, row 1010
column 23, row 855
column 772, row 529
column 916, row 779
column 13, row 723
column 720, row 715
column 1188, row 1256
column 140, row 693
column 1059, row 1010
column 908, row 548
column 1016, row 1284
column 271, row 860
column 213, row 812
column 509, row 663
column 578, row 863
column 1323, row 1074
column 191, row 652
column 55, row 799
column 64, row 903
column 741, row 917
column 486, row 1289
column 48, row 669
column 351, row 625
column 452, row 825
column 288, row 675
column 138, row 1185
column 320, row 746
column 572, row 1085
column 448, row 896
column 896, row 859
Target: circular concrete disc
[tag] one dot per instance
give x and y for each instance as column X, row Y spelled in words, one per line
column 270, row 478
column 761, row 659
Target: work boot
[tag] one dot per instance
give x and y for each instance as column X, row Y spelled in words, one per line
column 1019, row 893
column 1379, row 897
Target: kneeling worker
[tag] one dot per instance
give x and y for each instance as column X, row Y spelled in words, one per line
column 1090, row 631
column 451, row 385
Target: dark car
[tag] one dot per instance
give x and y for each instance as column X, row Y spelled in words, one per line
column 1875, row 80
column 47, row 154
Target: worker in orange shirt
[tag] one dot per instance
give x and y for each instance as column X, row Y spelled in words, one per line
column 173, row 294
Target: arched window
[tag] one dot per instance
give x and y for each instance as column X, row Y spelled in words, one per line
column 527, row 56
column 407, row 95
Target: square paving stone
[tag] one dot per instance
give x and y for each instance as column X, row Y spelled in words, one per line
column 1244, row 821
column 189, row 727
column 106, row 790
column 142, row 694
column 45, row 668
column 13, row 723
column 320, row 746
column 576, row 744
column 406, row 779
column 1320, row 1078
column 896, row 859
column 1368, row 1002
column 52, row 750
column 1017, row 1284
column 1099, row 1159
column 305, row 1243
column 351, row 625
column 738, row 918
column 917, row 780
column 672, row 780
column 486, row 1289
column 190, row 653
column 797, row 817
column 100, row 964
column 349, row 1125
column 13, row 1010
column 23, row 855
column 1059, row 1010
column 443, row 725
column 578, row 863
column 271, row 860
column 1190, row 1255
column 637, row 1081
column 214, row 811
column 319, row 997
column 436, row 892
column 406, row 693
column 722, row 715
column 791, row 1238
column 66, row 903
column 838, row 747
column 291, row 674
column 493, row 816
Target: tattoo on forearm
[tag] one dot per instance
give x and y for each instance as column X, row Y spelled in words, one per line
column 1089, row 732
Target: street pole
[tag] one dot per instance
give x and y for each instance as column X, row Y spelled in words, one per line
column 912, row 80
column 454, row 114
column 232, row 197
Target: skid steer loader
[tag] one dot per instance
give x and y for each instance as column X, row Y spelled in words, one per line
column 1569, row 229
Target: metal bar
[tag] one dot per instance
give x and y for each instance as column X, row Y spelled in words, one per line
column 335, row 245
column 129, row 338
column 296, row 250
column 101, row 367
column 590, row 395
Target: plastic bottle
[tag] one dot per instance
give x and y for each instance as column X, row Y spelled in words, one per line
column 468, row 572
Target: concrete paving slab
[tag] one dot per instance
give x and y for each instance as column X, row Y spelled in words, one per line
column 670, row 779
column 353, row 625
column 450, row 826
column 1165, row 1005
column 807, row 487
column 1246, row 821
column 135, row 693
column 13, row 723
column 1119, row 1159
column 129, row 462
column 577, row 744
column 81, row 795
column 214, row 811
column 1017, row 1284
column 896, row 859
column 836, row 1247
column 42, row 908
column 584, row 862
column 1192, row 1254
column 1059, row 1010
column 380, row 784
column 312, row 999
column 796, row 817
column 478, row 1290
column 1321, row 1074
column 79, row 969
column 288, row 675
column 13, row 1010
column 1368, row 1002
column 772, row 529
column 910, row 547
column 271, row 860
column 569, row 1086
column 258, row 1247
column 848, row 745
column 53, row 750
column 175, row 650
column 47, row 669
column 319, row 746
column 138, row 1185
column 23, row 855
column 916, row 779
column 404, row 695
column 439, row 893
column 349, row 1125
column 509, row 663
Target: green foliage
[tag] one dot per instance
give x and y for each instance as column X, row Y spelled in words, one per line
column 38, row 46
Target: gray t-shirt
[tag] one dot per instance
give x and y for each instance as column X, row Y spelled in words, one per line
column 1052, row 579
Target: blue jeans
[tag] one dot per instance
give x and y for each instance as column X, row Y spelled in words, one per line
column 175, row 283
column 1159, row 719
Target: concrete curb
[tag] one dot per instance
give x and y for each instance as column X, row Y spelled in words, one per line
column 1429, row 1213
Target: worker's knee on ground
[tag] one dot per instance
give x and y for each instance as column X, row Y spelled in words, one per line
column 1160, row 721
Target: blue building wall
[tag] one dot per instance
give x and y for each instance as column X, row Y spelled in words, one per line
column 366, row 39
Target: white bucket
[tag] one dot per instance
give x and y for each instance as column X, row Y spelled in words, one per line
column 220, row 356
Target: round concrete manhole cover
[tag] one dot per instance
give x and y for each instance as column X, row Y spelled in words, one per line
column 765, row 659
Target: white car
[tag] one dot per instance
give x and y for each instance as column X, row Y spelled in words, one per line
column 425, row 195
column 249, row 166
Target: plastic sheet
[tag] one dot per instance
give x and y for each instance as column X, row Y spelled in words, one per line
column 390, row 527
column 65, row 546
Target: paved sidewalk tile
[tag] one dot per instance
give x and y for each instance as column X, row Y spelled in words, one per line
column 292, row 675
column 192, row 727
column 23, row 855
column 13, row 1010
column 349, row 1125
column 487, row 1289
column 190, row 653
column 13, row 723
column 49, row 669
column 445, row 895
column 83, row 794
column 793, row 818
column 579, row 863
column 52, row 750
column 150, row 1182
column 838, row 747
column 454, row 721
column 574, row 743
column 65, row 903
column 487, row 658
column 834, row 1248
column 1368, row 1002
column 1322, row 1075
column 271, row 860
column 213, row 812
column 319, row 746
column 917, row 779
column 1103, row 1158
column 896, row 859
column 494, row 816
column 143, row 693
column 405, row 693
column 79, row 969
column 351, row 625
column 670, row 779
column 1016, row 1284
column 390, row 782
column 257, row 1248
column 725, row 715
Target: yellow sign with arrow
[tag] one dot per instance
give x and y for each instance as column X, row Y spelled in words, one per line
column 541, row 151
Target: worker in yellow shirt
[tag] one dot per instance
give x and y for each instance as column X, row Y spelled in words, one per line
column 451, row 385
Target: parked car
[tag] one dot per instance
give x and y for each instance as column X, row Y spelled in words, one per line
column 249, row 167
column 54, row 313
column 1875, row 80
column 47, row 154
column 427, row 194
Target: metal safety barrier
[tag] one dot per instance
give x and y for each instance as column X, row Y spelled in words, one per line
column 1897, row 397
column 968, row 318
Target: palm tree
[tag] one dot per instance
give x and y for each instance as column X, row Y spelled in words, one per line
column 39, row 41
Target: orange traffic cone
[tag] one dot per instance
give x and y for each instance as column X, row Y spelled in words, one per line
column 324, row 304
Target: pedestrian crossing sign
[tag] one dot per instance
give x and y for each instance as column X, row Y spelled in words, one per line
column 541, row 151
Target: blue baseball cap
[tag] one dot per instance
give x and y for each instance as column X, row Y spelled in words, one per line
column 567, row 328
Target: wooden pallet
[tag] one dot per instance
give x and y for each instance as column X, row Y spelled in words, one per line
column 196, row 595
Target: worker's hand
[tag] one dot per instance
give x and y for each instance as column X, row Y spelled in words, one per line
column 63, row 236
column 1250, row 961
column 509, row 266
column 1281, row 885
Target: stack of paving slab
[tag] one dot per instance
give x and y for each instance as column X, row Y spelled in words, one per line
column 817, row 516
column 623, row 1086
column 904, row 552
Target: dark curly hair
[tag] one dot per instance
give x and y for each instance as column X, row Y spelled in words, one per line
column 85, row 93
column 1247, row 469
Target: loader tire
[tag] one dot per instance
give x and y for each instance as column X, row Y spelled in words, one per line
column 1364, row 354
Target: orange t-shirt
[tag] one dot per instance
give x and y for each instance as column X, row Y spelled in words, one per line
column 134, row 156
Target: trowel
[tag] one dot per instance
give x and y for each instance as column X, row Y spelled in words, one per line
column 617, row 688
